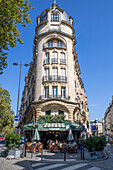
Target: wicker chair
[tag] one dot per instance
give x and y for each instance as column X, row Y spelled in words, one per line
column 40, row 147
column 33, row 147
column 62, row 148
column 28, row 145
column 55, row 148
column 75, row 148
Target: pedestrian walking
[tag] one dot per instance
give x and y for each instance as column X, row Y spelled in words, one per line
column 111, row 141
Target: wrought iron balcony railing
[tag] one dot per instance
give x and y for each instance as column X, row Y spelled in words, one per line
column 46, row 61
column 55, row 44
column 54, row 60
column 54, row 78
column 63, row 61
column 42, row 97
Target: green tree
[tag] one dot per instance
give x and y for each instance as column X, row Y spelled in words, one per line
column 6, row 114
column 12, row 13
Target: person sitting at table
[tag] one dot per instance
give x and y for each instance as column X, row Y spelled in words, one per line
column 56, row 142
column 74, row 143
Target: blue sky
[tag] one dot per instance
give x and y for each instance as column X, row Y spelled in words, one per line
column 93, row 23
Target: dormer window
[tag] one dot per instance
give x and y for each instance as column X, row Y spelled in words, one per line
column 54, row 17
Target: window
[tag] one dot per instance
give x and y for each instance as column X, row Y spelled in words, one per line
column 54, row 91
column 47, row 73
column 46, row 58
column 63, row 92
column 59, row 44
column 61, row 112
column 46, row 92
column 63, row 72
column 50, row 43
column 55, row 73
column 62, row 56
column 54, row 17
column 48, row 112
column 54, row 57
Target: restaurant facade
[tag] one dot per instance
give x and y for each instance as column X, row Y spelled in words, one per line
column 53, row 85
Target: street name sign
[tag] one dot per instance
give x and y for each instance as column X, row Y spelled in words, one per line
column 93, row 128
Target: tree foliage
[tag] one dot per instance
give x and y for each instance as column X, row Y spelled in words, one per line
column 12, row 13
column 6, row 114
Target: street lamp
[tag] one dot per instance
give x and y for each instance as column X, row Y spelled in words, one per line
column 26, row 65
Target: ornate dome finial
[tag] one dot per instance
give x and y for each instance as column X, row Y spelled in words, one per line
column 54, row 2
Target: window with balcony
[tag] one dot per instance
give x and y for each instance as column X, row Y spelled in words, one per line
column 54, row 58
column 54, row 17
column 62, row 58
column 46, row 74
column 47, row 58
column 55, row 74
column 59, row 44
column 63, row 92
column 54, row 91
column 63, row 74
column 46, row 92
column 50, row 43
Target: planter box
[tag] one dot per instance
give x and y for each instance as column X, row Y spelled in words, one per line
column 15, row 153
column 93, row 155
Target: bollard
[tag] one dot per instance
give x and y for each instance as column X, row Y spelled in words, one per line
column 83, row 153
column 31, row 151
column 25, row 149
column 42, row 155
column 64, row 154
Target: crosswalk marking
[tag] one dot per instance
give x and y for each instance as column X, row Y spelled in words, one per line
column 67, row 160
column 50, row 167
column 75, row 166
column 93, row 168
column 37, row 164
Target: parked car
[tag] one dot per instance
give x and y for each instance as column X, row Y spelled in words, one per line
column 1, row 137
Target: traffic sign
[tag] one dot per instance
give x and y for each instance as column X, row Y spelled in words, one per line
column 93, row 128
column 16, row 118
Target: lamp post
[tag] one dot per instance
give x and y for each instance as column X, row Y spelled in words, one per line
column 20, row 65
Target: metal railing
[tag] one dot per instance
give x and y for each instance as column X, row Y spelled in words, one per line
column 54, row 60
column 42, row 97
column 54, row 78
column 55, row 44
column 46, row 61
column 63, row 61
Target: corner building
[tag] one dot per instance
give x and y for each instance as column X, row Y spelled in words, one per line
column 53, row 84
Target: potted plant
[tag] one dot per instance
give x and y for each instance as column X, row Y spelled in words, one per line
column 94, row 147
column 12, row 142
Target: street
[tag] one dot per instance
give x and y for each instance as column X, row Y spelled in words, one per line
column 72, row 162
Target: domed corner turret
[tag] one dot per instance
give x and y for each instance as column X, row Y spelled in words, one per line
column 54, row 10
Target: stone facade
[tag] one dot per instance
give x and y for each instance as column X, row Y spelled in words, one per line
column 99, row 127
column 108, row 121
column 53, row 84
